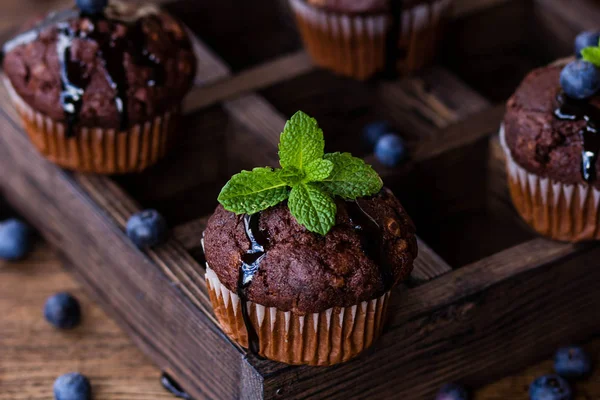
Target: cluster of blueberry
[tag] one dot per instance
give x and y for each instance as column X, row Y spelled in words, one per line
column 570, row 363
column 389, row 148
column 62, row 310
column 580, row 79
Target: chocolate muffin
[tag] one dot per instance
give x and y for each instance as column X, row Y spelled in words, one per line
column 359, row 38
column 101, row 93
column 551, row 157
column 301, row 260
column 308, row 286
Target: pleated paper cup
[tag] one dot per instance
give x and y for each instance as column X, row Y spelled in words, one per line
column 98, row 150
column 565, row 212
column 320, row 339
column 355, row 45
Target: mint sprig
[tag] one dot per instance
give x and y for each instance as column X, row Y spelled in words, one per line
column 591, row 54
column 308, row 178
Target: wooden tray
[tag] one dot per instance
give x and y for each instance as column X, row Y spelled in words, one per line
column 487, row 296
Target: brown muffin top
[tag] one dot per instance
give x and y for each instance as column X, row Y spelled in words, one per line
column 362, row 6
column 538, row 141
column 305, row 272
column 131, row 65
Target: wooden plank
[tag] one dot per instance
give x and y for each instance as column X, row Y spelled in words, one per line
column 34, row 353
column 479, row 125
column 270, row 73
column 209, row 68
column 176, row 263
column 579, row 14
column 264, row 121
column 516, row 387
column 436, row 95
column 428, row 265
column 475, row 307
column 119, row 276
column 481, row 275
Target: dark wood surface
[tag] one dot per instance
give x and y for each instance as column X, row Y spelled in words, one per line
column 34, row 354
column 473, row 296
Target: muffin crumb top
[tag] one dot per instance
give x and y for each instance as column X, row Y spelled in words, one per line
column 304, row 272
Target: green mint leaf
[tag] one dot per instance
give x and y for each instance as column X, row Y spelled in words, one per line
column 251, row 191
column 301, row 142
column 591, row 54
column 350, row 178
column 312, row 208
column 318, row 170
column 292, row 175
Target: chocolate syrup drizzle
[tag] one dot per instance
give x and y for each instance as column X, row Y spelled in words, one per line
column 393, row 52
column 372, row 245
column 173, row 387
column 111, row 52
column 250, row 265
column 576, row 110
column 371, row 241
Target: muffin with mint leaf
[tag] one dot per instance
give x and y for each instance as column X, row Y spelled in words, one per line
column 551, row 140
column 301, row 260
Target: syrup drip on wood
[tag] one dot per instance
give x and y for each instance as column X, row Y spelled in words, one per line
column 371, row 241
column 173, row 387
column 111, row 52
column 576, row 110
column 393, row 51
column 250, row 265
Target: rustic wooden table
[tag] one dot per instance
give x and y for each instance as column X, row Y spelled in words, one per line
column 33, row 354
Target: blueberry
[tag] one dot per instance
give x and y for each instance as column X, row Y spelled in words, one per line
column 15, row 239
column 572, row 362
column 91, row 7
column 62, row 310
column 72, row 386
column 580, row 79
column 452, row 391
column 374, row 131
column 390, row 150
column 586, row 39
column 550, row 387
column 147, row 228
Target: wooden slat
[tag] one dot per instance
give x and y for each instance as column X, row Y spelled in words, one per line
column 463, row 133
column 270, row 73
column 428, row 265
column 476, row 307
column 477, row 126
column 181, row 269
column 481, row 275
column 435, row 96
column 119, row 276
column 190, row 233
column 209, row 68
column 579, row 14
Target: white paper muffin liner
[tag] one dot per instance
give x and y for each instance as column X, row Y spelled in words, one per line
column 98, row 150
column 355, row 45
column 321, row 339
column 566, row 212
